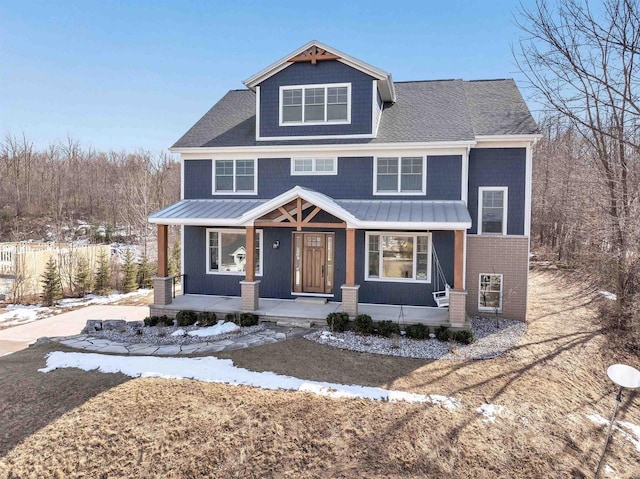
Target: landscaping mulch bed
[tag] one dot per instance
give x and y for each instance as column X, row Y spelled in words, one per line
column 492, row 338
column 163, row 334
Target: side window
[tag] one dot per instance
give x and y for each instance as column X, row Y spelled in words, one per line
column 492, row 210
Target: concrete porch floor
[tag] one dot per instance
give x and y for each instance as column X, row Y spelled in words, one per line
column 303, row 312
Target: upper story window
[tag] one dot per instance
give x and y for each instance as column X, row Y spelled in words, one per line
column 492, row 210
column 234, row 177
column 314, row 166
column 315, row 104
column 400, row 176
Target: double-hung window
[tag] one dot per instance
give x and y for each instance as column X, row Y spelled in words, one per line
column 234, row 177
column 315, row 104
column 492, row 210
column 314, row 166
column 400, row 175
column 490, row 292
column 227, row 253
column 398, row 257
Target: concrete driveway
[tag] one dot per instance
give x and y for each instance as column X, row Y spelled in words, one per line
column 66, row 324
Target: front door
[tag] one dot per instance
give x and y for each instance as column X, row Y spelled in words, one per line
column 313, row 262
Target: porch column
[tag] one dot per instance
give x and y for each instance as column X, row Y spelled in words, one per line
column 458, row 296
column 350, row 288
column 250, row 288
column 162, row 283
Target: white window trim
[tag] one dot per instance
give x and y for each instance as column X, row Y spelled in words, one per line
column 505, row 209
column 413, row 235
column 230, row 231
column 234, row 192
column 326, row 99
column 314, row 171
column 489, row 308
column 422, row 192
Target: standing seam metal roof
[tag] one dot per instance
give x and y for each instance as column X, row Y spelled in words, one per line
column 406, row 211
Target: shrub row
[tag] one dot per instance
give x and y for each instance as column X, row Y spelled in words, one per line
column 203, row 319
column 363, row 324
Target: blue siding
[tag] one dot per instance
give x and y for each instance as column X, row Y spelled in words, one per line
column 415, row 294
column 498, row 167
column 353, row 181
column 444, row 177
column 276, row 280
column 198, row 179
column 308, row 74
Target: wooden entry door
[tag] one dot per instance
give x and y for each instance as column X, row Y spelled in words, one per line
column 313, row 255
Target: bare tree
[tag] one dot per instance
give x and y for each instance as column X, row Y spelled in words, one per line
column 580, row 59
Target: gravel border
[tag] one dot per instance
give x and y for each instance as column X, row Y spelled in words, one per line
column 490, row 342
column 154, row 335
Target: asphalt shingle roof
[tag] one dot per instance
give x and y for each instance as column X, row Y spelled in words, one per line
column 425, row 111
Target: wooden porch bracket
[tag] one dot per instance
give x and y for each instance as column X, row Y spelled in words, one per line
column 163, row 243
column 250, row 262
column 458, row 260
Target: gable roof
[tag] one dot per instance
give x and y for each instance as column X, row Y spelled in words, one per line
column 385, row 83
column 425, row 111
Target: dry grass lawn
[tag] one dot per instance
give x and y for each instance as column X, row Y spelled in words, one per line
column 70, row 423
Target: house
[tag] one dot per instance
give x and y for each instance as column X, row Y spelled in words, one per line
column 22, row 265
column 340, row 183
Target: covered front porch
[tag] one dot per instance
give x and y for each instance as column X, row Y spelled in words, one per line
column 322, row 249
column 303, row 312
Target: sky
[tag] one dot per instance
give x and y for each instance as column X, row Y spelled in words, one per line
column 126, row 75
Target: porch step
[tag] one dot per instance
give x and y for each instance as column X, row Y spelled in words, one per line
column 311, row 299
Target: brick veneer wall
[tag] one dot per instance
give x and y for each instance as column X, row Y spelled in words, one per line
column 506, row 255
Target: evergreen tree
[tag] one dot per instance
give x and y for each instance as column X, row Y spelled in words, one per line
column 51, row 283
column 103, row 275
column 145, row 273
column 83, row 280
column 130, row 281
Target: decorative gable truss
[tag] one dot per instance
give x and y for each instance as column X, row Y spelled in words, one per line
column 314, row 54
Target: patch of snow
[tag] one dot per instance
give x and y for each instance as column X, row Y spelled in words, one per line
column 628, row 430
column 20, row 314
column 608, row 469
column 608, row 295
column 211, row 369
column 179, row 332
column 490, row 412
column 223, row 327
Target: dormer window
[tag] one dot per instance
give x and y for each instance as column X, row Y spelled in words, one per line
column 315, row 104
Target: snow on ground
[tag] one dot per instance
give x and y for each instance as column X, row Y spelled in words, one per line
column 211, row 369
column 490, row 412
column 608, row 295
column 628, row 430
column 223, row 327
column 21, row 314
